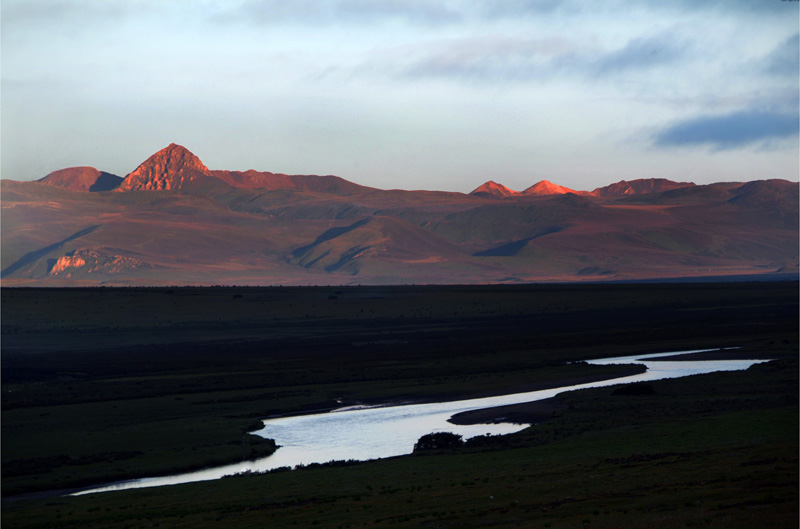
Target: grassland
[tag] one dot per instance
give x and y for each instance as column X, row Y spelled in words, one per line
column 101, row 384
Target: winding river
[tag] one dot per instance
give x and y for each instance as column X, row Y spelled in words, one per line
column 363, row 433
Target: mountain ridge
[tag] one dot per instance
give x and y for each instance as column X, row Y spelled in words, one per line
column 174, row 221
column 639, row 187
column 176, row 168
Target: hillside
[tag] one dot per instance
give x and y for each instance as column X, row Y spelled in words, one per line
column 173, row 220
column 82, row 179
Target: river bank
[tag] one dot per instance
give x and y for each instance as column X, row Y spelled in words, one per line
column 527, row 413
column 103, row 369
column 610, row 373
column 717, row 450
column 365, row 433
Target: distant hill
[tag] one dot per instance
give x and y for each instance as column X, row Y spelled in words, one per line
column 643, row 186
column 639, row 187
column 172, row 220
column 273, row 181
column 493, row 190
column 82, row 179
column 548, row 188
column 767, row 193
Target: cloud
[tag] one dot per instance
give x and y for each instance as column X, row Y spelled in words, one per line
column 440, row 12
column 504, row 8
column 502, row 59
column 315, row 12
column 742, row 6
column 783, row 61
column 738, row 129
column 489, row 59
column 515, row 8
column 638, row 54
column 425, row 11
column 32, row 12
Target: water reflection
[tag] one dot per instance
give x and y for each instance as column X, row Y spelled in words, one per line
column 373, row 433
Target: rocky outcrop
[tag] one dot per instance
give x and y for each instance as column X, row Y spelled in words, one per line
column 169, row 169
column 639, row 187
column 65, row 263
column 89, row 261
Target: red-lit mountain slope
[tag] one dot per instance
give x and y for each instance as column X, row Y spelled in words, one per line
column 175, row 221
column 82, row 179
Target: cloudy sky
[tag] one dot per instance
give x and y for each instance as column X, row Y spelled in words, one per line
column 412, row 94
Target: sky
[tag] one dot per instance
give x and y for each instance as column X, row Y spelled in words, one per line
column 409, row 94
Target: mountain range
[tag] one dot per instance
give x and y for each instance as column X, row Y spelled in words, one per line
column 174, row 221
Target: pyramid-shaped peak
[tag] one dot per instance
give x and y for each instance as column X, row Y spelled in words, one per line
column 545, row 187
column 176, row 157
column 494, row 190
column 166, row 169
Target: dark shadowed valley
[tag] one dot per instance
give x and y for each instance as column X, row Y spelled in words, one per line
column 103, row 384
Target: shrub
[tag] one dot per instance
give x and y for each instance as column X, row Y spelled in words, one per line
column 438, row 441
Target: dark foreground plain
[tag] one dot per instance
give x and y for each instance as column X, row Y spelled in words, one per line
column 105, row 384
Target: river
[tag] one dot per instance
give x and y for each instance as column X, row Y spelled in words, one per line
column 363, row 433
